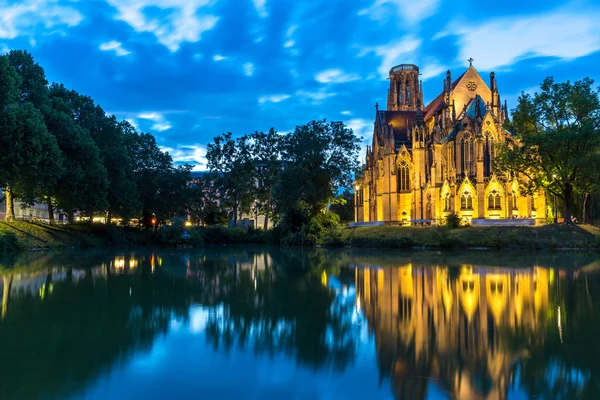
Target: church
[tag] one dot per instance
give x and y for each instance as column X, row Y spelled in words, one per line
column 426, row 163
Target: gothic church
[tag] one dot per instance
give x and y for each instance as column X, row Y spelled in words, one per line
column 428, row 162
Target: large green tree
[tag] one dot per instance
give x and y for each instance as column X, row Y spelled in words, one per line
column 558, row 140
column 83, row 185
column 32, row 160
column 266, row 152
column 232, row 171
column 319, row 160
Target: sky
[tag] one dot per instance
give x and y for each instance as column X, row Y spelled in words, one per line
column 189, row 70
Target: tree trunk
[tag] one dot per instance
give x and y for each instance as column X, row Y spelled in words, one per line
column 568, row 201
column 235, row 211
column 70, row 217
column 50, row 210
column 10, row 205
column 108, row 217
column 584, row 216
column 6, row 293
column 268, row 209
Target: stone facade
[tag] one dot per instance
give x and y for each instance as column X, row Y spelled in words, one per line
column 426, row 163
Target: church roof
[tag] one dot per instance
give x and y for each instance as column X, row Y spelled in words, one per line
column 400, row 121
column 438, row 102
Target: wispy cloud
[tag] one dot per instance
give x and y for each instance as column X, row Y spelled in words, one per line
column 189, row 154
column 503, row 41
column 21, row 18
column 273, row 98
column 407, row 11
column 218, row 57
column 394, row 53
column 335, row 75
column 115, row 46
column 261, row 9
column 248, row 69
column 160, row 123
column 184, row 21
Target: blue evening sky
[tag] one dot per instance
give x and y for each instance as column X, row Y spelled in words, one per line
column 188, row 70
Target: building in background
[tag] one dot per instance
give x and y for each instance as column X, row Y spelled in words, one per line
column 428, row 162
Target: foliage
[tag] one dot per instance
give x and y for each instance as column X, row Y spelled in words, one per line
column 345, row 206
column 322, row 156
column 558, row 147
column 452, row 221
column 232, row 171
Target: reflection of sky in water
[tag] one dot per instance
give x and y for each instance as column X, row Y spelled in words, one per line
column 183, row 364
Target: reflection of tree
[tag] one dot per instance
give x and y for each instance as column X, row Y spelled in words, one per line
column 565, row 365
column 55, row 341
column 274, row 309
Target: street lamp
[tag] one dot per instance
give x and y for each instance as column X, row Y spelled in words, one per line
column 555, row 213
column 357, row 188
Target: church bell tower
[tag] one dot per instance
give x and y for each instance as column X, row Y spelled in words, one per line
column 406, row 91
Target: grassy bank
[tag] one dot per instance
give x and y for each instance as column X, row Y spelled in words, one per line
column 18, row 236
column 539, row 237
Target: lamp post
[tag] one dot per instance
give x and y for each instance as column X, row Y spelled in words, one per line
column 357, row 188
column 555, row 213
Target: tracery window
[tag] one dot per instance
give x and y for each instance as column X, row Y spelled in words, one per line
column 494, row 201
column 447, row 202
column 404, row 178
column 466, row 201
column 488, row 154
column 408, row 94
column 467, row 155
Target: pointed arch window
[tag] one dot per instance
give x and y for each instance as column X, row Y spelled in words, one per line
column 447, row 202
column 403, row 177
column 408, row 94
column 494, row 200
column 467, row 160
column 466, row 201
column 488, row 154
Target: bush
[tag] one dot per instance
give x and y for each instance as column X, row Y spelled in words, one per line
column 452, row 221
column 9, row 242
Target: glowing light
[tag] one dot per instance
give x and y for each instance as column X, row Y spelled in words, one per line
column 188, row 223
column 559, row 321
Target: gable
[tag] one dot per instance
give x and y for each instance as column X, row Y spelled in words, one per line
column 467, row 87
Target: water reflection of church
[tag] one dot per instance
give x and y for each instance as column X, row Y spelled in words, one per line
column 444, row 327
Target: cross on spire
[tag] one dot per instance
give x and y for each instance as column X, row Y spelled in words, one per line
column 470, row 60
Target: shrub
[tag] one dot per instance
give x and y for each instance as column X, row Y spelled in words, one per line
column 452, row 221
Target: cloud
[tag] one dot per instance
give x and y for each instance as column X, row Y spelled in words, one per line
column 335, row 75
column 315, row 97
column 503, row 41
column 273, row 98
column 409, row 11
column 431, row 69
column 180, row 21
column 261, row 9
column 362, row 128
column 289, row 36
column 115, row 46
column 346, row 112
column 218, row 57
column 189, row 154
column 23, row 17
column 248, row 69
column 160, row 123
column 402, row 52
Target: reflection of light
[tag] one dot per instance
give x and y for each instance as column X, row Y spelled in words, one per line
column 559, row 325
column 324, row 278
column 119, row 262
column 133, row 263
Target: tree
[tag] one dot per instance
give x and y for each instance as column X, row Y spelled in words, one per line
column 83, row 184
column 232, row 171
column 558, row 140
column 319, row 160
column 266, row 152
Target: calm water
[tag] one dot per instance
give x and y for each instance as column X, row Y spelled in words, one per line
column 248, row 323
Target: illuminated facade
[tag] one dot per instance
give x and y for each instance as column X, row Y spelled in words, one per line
column 433, row 326
column 426, row 163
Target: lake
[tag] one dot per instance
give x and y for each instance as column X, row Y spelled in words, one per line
column 259, row 323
